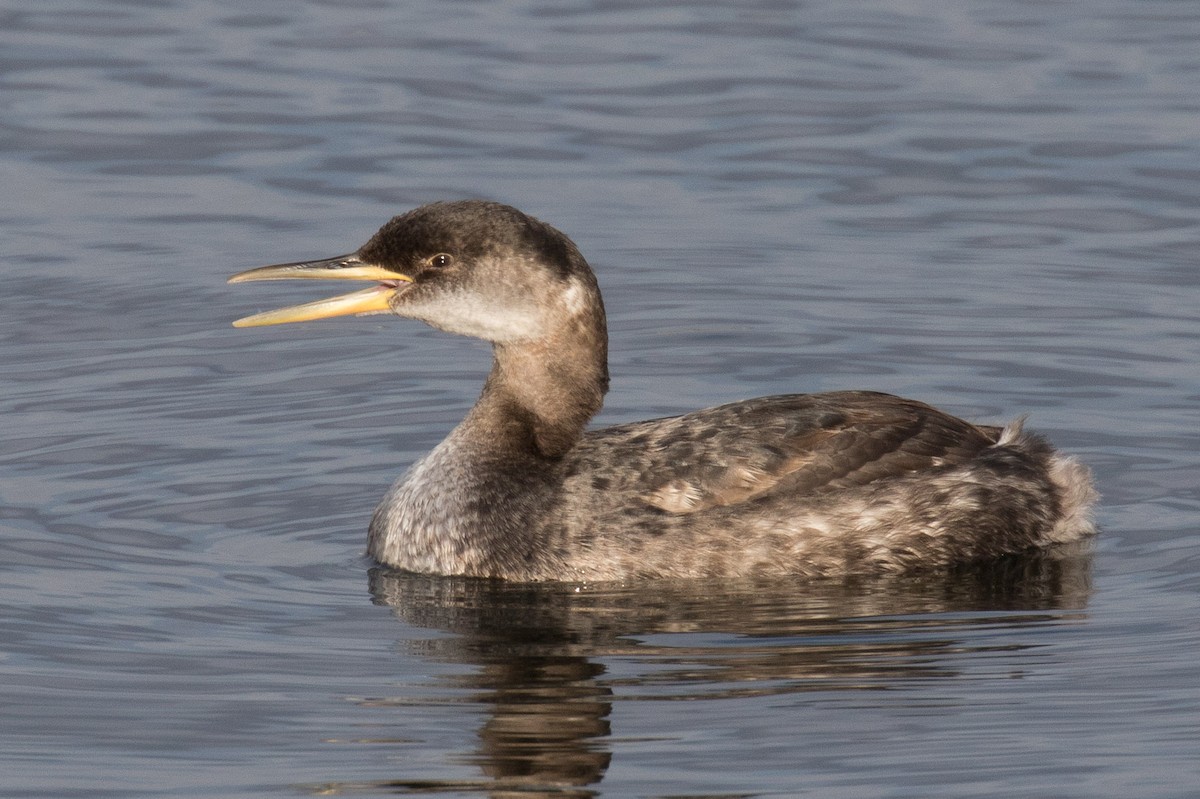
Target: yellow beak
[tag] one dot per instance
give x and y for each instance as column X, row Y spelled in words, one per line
column 347, row 267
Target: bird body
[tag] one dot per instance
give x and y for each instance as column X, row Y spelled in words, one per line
column 828, row 484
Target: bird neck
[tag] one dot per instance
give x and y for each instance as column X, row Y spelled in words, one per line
column 541, row 393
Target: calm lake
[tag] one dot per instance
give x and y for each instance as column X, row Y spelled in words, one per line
column 991, row 205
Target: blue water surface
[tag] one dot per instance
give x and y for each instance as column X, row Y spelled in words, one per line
column 991, row 206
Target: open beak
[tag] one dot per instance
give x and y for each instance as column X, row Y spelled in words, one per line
column 346, row 267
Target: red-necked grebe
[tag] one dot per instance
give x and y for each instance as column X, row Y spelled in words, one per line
column 806, row 484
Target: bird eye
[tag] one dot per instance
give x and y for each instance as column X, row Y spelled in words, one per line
column 441, row 259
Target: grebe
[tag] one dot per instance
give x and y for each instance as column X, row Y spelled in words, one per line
column 835, row 484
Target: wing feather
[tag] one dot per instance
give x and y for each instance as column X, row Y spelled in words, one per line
column 804, row 444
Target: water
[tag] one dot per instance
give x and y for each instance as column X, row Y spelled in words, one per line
column 990, row 206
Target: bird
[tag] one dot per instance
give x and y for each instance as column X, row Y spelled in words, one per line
column 827, row 485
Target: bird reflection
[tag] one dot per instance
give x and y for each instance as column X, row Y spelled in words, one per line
column 541, row 654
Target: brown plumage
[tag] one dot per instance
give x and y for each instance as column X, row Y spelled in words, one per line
column 807, row 484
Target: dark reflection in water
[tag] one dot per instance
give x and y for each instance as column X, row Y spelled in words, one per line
column 538, row 652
